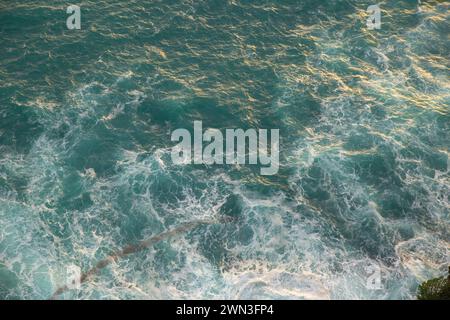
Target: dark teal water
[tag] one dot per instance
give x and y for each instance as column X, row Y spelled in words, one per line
column 85, row 168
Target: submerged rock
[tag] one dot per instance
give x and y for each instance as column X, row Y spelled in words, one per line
column 435, row 289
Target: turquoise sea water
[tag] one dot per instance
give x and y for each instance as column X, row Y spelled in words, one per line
column 85, row 168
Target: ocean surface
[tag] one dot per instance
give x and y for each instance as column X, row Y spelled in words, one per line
column 363, row 188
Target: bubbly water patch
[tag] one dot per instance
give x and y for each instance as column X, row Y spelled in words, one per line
column 260, row 282
column 25, row 251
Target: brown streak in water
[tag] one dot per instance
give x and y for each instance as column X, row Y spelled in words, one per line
column 133, row 248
